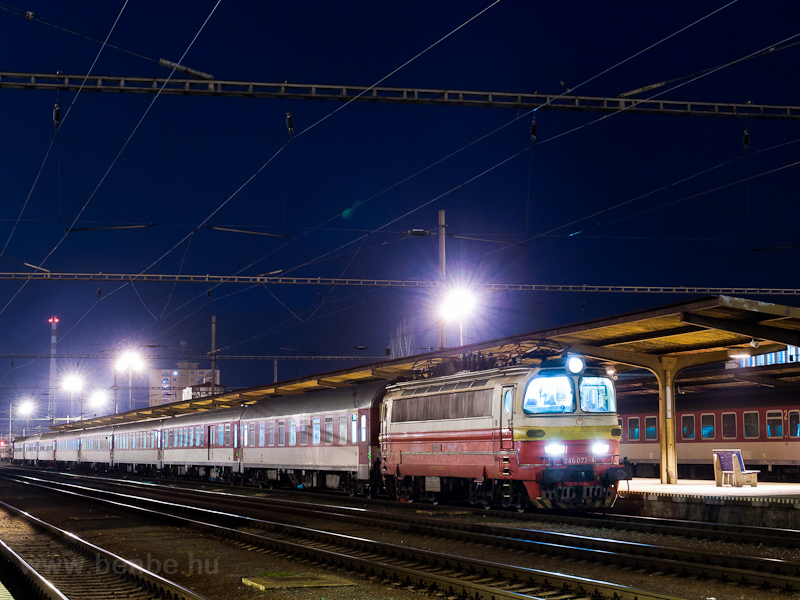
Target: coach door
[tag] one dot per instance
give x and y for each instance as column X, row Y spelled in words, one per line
column 507, row 418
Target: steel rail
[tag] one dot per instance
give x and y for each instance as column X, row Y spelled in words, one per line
column 36, row 580
column 391, row 95
column 135, row 572
column 428, row 570
column 392, row 283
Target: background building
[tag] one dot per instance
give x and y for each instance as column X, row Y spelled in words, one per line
column 166, row 385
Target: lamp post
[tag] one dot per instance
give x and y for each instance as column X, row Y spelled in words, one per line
column 73, row 384
column 458, row 303
column 129, row 361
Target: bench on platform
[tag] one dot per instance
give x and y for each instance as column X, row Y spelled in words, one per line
column 729, row 469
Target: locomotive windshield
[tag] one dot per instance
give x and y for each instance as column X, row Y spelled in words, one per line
column 549, row 395
column 597, row 394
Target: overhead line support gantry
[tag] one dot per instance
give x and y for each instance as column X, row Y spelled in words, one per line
column 394, row 95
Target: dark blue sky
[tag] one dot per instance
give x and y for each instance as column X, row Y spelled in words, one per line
column 189, row 155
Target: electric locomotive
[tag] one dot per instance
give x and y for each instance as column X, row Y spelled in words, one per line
column 516, row 436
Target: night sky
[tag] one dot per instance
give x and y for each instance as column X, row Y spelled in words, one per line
column 627, row 199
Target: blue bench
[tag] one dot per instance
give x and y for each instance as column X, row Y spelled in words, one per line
column 729, row 469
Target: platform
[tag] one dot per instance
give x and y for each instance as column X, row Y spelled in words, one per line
column 768, row 504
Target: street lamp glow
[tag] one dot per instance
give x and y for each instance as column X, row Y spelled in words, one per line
column 72, row 384
column 130, row 361
column 98, row 399
column 457, row 304
column 26, row 408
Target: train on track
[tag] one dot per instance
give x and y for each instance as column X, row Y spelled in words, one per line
column 543, row 436
column 763, row 424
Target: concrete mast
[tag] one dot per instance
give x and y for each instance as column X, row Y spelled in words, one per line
column 53, row 385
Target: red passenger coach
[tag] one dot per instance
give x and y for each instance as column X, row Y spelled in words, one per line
column 517, row 436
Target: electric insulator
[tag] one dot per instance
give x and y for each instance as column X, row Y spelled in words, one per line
column 290, row 123
column 533, row 131
column 746, row 140
column 56, row 115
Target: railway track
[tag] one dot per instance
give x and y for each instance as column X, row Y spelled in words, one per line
column 744, row 570
column 58, row 565
column 440, row 573
column 739, row 534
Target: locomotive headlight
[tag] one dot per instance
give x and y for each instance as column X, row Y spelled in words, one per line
column 555, row 449
column 600, row 448
column 575, row 364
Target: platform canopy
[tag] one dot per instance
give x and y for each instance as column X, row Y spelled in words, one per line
column 664, row 341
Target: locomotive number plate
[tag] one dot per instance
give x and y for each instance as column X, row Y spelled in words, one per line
column 578, row 460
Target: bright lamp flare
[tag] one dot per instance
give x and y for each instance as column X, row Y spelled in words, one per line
column 555, row 449
column 457, row 304
column 26, row 408
column 73, row 383
column 600, row 448
column 98, row 398
column 575, row 364
column 130, row 361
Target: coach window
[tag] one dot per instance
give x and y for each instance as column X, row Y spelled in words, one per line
column 751, row 425
column 227, row 434
column 261, row 437
column 342, row 429
column 304, row 432
column 508, row 397
column 251, row 434
column 687, row 427
column 212, row 437
column 200, row 435
column 729, row 426
column 281, row 433
column 633, row 428
column 363, row 428
column 774, row 424
column 271, row 433
column 292, row 433
column 794, row 423
column 315, row 430
column 353, row 428
column 328, row 430
column 650, row 428
column 707, row 423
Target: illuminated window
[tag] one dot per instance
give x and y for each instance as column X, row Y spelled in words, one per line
column 303, row 432
column 774, row 424
column 751, row 425
column 292, row 433
column 261, row 433
column 549, row 395
column 597, row 394
column 633, row 428
column 281, row 433
column 343, row 429
column 271, row 433
column 315, row 431
column 794, row 423
column 363, row 428
column 328, row 430
column 707, row 427
column 687, row 427
column 650, row 428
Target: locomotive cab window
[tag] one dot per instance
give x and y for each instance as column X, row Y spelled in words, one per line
column 597, row 394
column 751, row 425
column 794, row 423
column 707, row 426
column 549, row 395
column 650, row 428
column 774, row 424
column 687, row 427
column 633, row 428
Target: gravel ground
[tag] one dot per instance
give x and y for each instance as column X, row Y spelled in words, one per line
column 215, row 568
